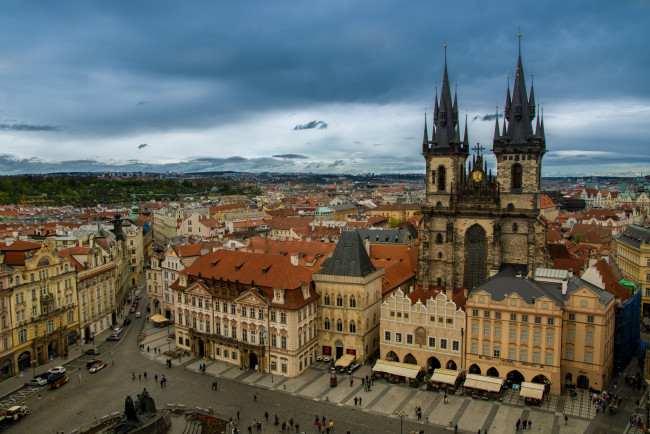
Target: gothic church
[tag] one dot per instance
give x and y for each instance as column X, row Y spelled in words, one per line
column 476, row 224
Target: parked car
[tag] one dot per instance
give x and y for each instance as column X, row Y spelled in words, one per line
column 14, row 413
column 113, row 337
column 56, row 370
column 127, row 321
column 117, row 330
column 92, row 352
column 138, row 314
column 37, row 382
column 132, row 309
column 97, row 366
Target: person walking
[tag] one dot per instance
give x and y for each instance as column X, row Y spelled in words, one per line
column 456, row 429
column 355, row 401
column 359, row 401
column 237, row 414
column 266, row 415
column 155, row 377
column 566, row 419
column 517, row 425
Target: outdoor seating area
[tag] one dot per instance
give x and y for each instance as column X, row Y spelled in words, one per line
column 447, row 380
column 395, row 372
column 482, row 387
column 159, row 320
column 533, row 393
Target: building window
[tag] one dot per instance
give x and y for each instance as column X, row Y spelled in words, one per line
column 326, row 324
column 497, row 315
column 339, row 325
column 538, row 320
column 339, row 300
column 523, row 355
column 233, row 309
column 590, row 337
column 569, row 353
column 432, row 342
column 441, row 178
column 590, row 318
column 513, row 333
column 387, row 336
column 225, row 307
column 353, row 301
column 260, row 313
column 474, row 348
column 244, row 335
column 474, row 329
column 474, row 312
column 486, row 313
column 443, row 344
column 283, row 318
column 284, row 368
column 409, row 339
column 283, row 342
column 512, row 353
column 524, row 318
column 589, row 357
column 496, row 352
column 537, row 337
column 549, row 359
column 571, row 334
column 274, row 340
column 550, row 338
column 273, row 316
column 233, row 331
column 398, row 338
column 326, row 300
column 455, row 345
column 243, row 311
column 513, row 317
column 217, row 328
column 516, row 175
column 22, row 336
column 486, row 330
column 486, row 349
column 353, row 327
column 550, row 321
column 497, row 331
column 524, row 335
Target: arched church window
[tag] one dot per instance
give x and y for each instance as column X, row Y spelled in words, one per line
column 353, row 327
column 326, row 300
column 326, row 324
column 516, row 175
column 441, row 178
column 353, row 301
column 439, row 238
column 439, row 255
column 339, row 300
column 515, row 227
column 339, row 326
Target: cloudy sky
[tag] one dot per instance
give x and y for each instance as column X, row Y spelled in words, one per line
column 311, row 86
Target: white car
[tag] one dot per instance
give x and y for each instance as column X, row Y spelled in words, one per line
column 117, row 330
column 56, row 370
column 36, row 382
column 138, row 314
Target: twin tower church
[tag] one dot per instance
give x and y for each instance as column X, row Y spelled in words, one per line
column 477, row 223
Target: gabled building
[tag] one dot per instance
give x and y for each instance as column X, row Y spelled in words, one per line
column 631, row 252
column 350, row 290
column 252, row 310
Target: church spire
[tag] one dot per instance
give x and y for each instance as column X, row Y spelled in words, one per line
column 496, row 125
column 508, row 101
column 465, row 139
column 425, row 140
column 531, row 100
column 537, row 127
column 446, row 115
column 520, row 129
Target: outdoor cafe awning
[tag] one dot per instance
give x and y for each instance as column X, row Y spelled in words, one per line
column 397, row 368
column 157, row 318
column 491, row 384
column 345, row 360
column 446, row 376
column 532, row 390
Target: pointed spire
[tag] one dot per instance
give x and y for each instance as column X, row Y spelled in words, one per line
column 537, row 129
column 425, row 140
column 465, row 139
column 542, row 124
column 446, row 118
column 505, row 133
column 531, row 99
column 435, row 107
column 496, row 125
column 508, row 100
column 454, row 108
column 520, row 129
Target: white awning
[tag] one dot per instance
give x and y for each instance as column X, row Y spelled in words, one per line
column 532, row 390
column 397, row 368
column 491, row 384
column 345, row 360
column 446, row 376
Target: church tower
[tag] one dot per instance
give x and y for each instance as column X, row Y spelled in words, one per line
column 475, row 223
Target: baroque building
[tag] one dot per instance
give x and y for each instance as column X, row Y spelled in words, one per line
column 474, row 222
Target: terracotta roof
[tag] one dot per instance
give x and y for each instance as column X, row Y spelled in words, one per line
column 546, row 202
column 19, row 246
column 188, row 250
column 310, row 252
column 557, row 250
column 395, row 253
column 395, row 274
column 286, row 223
column 570, row 264
column 226, row 207
column 611, row 281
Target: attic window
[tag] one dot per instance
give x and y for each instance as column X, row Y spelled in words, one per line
column 238, row 267
column 215, row 263
column 266, row 270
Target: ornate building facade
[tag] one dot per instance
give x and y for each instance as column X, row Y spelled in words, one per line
column 474, row 222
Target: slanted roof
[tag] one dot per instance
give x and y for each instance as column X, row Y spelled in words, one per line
column 349, row 258
column 634, row 236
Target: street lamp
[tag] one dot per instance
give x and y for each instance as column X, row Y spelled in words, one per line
column 401, row 414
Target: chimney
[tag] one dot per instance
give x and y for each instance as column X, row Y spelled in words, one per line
column 569, row 274
column 294, row 260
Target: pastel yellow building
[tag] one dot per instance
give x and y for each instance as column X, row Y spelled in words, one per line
column 631, row 252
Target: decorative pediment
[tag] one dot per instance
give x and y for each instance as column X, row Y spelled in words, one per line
column 249, row 297
column 197, row 288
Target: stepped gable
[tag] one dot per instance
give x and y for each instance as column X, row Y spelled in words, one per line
column 349, row 258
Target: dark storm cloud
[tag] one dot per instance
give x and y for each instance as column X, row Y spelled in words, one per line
column 290, row 156
column 489, row 117
column 142, row 146
column 27, row 127
column 320, row 125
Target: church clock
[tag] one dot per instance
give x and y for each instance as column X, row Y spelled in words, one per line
column 477, row 175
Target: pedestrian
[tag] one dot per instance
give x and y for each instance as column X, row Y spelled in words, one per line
column 319, row 425
column 250, row 429
column 161, row 383
column 456, row 429
column 266, row 415
column 255, row 397
column 155, row 377
column 139, row 377
column 147, row 348
column 363, row 381
column 237, row 414
column 351, row 381
column 359, row 401
column 530, row 422
column 145, row 375
column 523, row 424
column 566, row 419
column 517, row 424
column 355, row 401
column 297, row 428
column 315, row 422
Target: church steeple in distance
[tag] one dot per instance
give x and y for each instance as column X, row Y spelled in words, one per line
column 446, row 118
